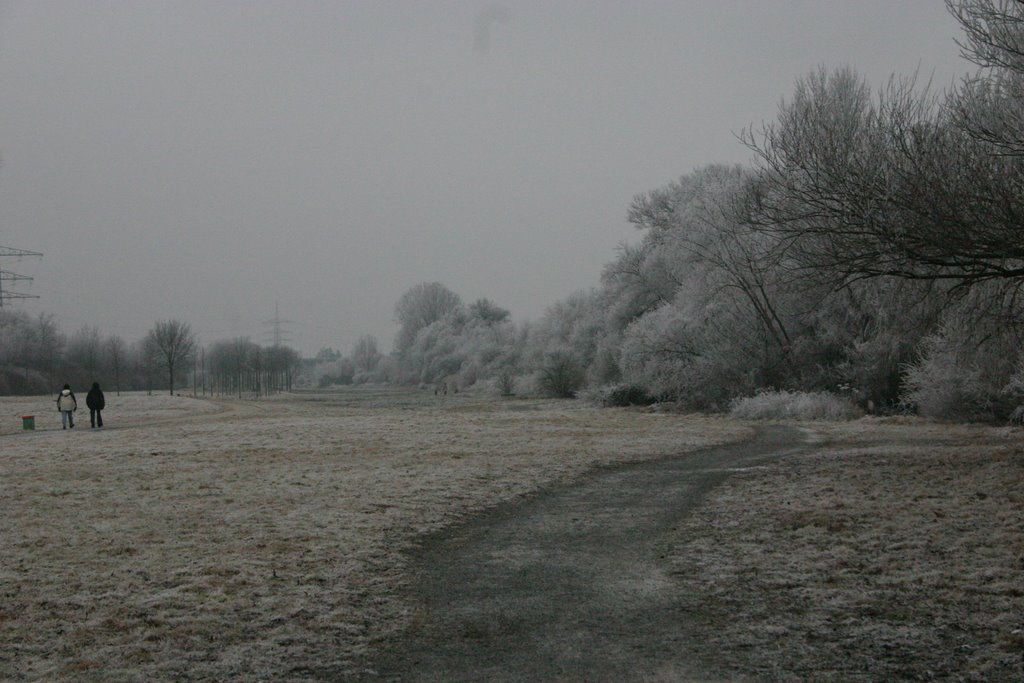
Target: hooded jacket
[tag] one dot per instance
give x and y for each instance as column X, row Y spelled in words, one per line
column 66, row 401
column 94, row 399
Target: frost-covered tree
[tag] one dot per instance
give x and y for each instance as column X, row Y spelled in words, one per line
column 488, row 312
column 365, row 355
column 702, row 307
column 420, row 306
column 572, row 327
column 462, row 346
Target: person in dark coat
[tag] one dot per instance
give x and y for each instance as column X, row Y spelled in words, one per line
column 94, row 399
column 67, row 404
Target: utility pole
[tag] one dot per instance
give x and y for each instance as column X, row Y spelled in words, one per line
column 278, row 334
column 8, row 276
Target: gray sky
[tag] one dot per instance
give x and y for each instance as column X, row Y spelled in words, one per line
column 204, row 160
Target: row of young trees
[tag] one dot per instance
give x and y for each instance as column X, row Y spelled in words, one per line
column 37, row 357
column 873, row 249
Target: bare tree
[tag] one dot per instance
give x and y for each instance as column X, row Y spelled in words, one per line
column 994, row 31
column 234, row 365
column 173, row 342
column 116, row 350
column 560, row 375
column 281, row 362
column 888, row 187
column 50, row 344
column 990, row 105
column 83, row 351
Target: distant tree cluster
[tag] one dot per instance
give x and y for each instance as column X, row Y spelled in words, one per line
column 445, row 343
column 873, row 250
column 36, row 357
column 241, row 367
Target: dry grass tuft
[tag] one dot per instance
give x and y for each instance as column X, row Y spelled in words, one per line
column 794, row 405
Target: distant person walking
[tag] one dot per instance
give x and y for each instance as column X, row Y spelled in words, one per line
column 67, row 405
column 94, row 399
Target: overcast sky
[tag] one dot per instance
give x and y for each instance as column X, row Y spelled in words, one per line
column 204, row 160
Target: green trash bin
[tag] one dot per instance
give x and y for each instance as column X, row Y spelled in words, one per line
column 28, row 421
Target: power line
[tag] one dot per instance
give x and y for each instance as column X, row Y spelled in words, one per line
column 10, row 276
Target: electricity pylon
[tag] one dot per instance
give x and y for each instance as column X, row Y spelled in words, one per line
column 278, row 334
column 8, row 276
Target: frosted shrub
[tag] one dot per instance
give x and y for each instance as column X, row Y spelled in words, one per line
column 942, row 387
column 658, row 351
column 970, row 368
column 967, row 370
column 505, row 382
column 560, row 376
column 618, row 395
column 698, row 355
column 794, row 405
column 1013, row 393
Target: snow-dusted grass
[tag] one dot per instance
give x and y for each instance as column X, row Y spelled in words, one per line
column 245, row 541
column 794, row 405
column 895, row 552
column 127, row 409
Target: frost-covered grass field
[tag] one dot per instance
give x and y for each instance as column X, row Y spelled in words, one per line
column 895, row 551
column 244, row 541
column 239, row 540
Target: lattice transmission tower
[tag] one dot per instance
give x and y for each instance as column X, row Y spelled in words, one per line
column 278, row 334
column 10, row 276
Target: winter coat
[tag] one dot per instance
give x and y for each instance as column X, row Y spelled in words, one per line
column 66, row 401
column 94, row 399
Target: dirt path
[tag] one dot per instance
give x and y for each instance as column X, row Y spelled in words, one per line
column 570, row 584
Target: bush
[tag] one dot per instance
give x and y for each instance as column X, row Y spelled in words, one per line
column 620, row 395
column 506, row 383
column 949, row 383
column 939, row 387
column 23, row 382
column 795, row 405
column 970, row 368
column 560, row 376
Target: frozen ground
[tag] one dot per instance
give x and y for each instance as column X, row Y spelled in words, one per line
column 894, row 551
column 245, row 541
column 237, row 540
column 572, row 584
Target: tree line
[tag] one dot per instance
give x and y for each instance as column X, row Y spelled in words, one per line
column 873, row 249
column 36, row 357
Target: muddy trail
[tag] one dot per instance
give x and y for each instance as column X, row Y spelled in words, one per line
column 571, row 584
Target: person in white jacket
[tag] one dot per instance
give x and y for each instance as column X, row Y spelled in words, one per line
column 67, row 405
